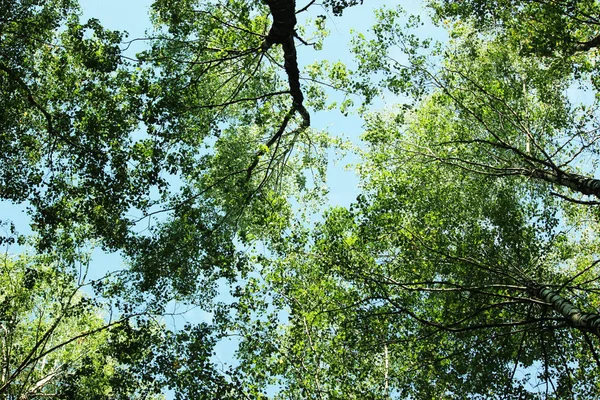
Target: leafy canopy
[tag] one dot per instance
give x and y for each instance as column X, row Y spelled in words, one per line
column 466, row 268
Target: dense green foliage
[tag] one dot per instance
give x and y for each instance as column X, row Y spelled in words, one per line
column 54, row 338
column 466, row 268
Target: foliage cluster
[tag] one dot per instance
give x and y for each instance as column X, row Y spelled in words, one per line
column 468, row 266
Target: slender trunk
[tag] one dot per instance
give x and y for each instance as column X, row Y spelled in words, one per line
column 282, row 32
column 5, row 354
column 386, row 359
column 589, row 322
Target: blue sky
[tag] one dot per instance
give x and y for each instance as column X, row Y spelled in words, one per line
column 132, row 16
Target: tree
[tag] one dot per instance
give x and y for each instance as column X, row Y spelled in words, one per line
column 58, row 341
column 90, row 137
column 66, row 116
column 469, row 262
column 500, row 113
column 200, row 139
column 468, row 266
column 54, row 336
column 546, row 28
column 438, row 283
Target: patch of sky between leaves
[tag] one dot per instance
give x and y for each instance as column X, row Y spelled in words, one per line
column 583, row 95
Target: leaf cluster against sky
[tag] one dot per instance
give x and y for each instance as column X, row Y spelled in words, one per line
column 465, row 267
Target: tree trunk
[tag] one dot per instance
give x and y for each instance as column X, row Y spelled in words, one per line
column 589, row 322
column 282, row 32
column 575, row 182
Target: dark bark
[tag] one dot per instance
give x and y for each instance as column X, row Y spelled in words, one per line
column 283, row 13
column 282, row 32
column 590, row 44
